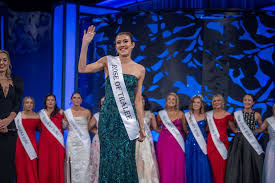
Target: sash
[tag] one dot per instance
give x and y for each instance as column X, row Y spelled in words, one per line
column 51, row 127
column 172, row 128
column 83, row 138
column 122, row 98
column 24, row 138
column 216, row 135
column 271, row 122
column 247, row 132
column 196, row 131
column 96, row 115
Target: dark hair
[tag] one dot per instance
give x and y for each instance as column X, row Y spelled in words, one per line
column 127, row 34
column 252, row 96
column 147, row 105
column 56, row 109
column 75, row 93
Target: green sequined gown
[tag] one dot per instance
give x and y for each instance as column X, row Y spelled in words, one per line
column 117, row 151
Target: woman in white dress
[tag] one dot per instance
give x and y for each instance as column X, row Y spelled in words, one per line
column 147, row 166
column 78, row 142
column 95, row 148
column 269, row 162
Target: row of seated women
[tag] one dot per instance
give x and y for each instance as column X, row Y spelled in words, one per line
column 197, row 159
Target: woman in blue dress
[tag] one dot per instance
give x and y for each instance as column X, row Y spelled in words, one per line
column 117, row 140
column 198, row 169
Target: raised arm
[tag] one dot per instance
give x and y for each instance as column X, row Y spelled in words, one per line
column 82, row 64
column 139, row 106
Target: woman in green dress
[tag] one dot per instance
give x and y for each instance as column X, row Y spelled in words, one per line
column 118, row 127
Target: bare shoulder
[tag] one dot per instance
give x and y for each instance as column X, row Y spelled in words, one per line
column 257, row 115
column 226, row 113
column 140, row 69
column 61, row 111
column 36, row 116
column 181, row 114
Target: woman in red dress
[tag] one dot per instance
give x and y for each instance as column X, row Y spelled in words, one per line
column 51, row 151
column 27, row 169
column 221, row 119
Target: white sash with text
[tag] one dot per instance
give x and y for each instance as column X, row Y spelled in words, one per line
column 51, row 127
column 24, row 138
column 83, row 138
column 196, row 131
column 172, row 128
column 122, row 98
column 216, row 135
column 96, row 115
column 248, row 134
column 271, row 122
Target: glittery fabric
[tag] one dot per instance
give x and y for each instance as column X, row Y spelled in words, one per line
column 117, row 151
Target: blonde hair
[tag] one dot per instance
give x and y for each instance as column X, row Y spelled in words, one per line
column 221, row 97
column 8, row 71
column 192, row 101
column 24, row 100
column 177, row 99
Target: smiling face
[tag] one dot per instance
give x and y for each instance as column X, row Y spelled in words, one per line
column 4, row 62
column 197, row 104
column 50, row 102
column 76, row 99
column 124, row 45
column 217, row 102
column 248, row 102
column 171, row 101
column 28, row 104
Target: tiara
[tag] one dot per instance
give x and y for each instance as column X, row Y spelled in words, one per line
column 200, row 96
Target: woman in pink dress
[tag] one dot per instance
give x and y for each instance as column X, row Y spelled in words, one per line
column 170, row 147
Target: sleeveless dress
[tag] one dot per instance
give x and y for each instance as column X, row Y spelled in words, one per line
column 198, row 169
column 269, row 162
column 170, row 156
column 51, row 154
column 218, row 164
column 95, row 158
column 27, row 169
column 117, row 151
column 243, row 163
column 78, row 154
column 147, row 165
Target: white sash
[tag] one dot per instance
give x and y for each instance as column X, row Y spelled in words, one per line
column 122, row 98
column 51, row 127
column 83, row 138
column 96, row 115
column 24, row 138
column 271, row 121
column 247, row 132
column 172, row 128
column 216, row 135
column 196, row 131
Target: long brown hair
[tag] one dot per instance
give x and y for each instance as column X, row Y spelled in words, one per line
column 192, row 101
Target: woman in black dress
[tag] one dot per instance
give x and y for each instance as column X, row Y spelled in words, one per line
column 11, row 90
